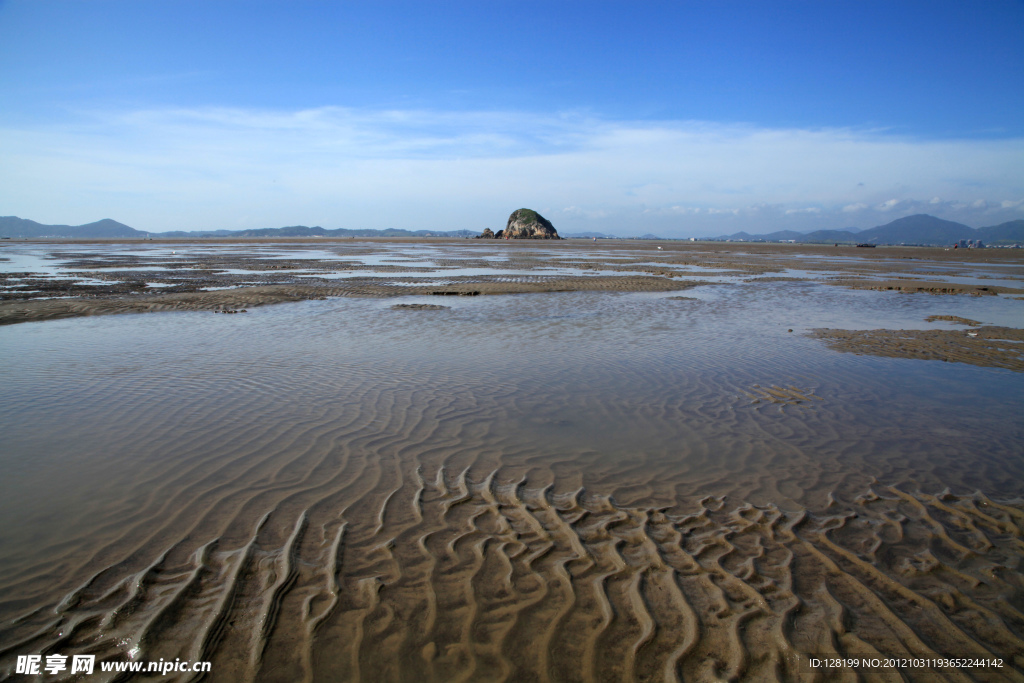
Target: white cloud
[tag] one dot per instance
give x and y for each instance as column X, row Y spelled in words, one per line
column 338, row 167
column 888, row 205
column 675, row 210
column 1012, row 204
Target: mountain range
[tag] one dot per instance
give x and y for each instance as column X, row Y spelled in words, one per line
column 918, row 229
column 589, row 236
column 12, row 226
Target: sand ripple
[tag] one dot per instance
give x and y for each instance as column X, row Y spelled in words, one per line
column 421, row 571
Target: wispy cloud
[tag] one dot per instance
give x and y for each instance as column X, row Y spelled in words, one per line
column 340, row 167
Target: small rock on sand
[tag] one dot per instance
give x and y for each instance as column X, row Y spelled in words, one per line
column 419, row 307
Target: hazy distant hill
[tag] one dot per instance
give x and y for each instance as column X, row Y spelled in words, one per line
column 1011, row 231
column 12, row 226
column 835, row 236
column 917, row 229
column 589, row 235
column 785, row 235
column 317, row 231
column 777, row 236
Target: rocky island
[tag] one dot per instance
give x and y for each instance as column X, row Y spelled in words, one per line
column 524, row 224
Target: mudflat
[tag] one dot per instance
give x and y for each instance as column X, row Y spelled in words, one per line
column 699, row 462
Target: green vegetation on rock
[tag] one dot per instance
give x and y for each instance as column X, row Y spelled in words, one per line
column 528, row 224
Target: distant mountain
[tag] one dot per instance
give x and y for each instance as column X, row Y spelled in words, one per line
column 315, row 231
column 589, row 235
column 784, row 235
column 742, row 236
column 779, row 236
column 834, row 236
column 1009, row 232
column 182, row 234
column 796, row 235
column 917, row 229
column 12, row 226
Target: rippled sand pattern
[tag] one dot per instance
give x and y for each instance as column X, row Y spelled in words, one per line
column 784, row 395
column 572, row 487
column 444, row 578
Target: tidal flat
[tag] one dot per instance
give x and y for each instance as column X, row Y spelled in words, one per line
column 482, row 461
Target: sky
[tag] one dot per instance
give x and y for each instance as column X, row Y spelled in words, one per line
column 677, row 119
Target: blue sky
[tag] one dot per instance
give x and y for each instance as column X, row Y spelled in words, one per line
column 674, row 118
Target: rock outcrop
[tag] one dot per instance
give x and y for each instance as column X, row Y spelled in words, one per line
column 526, row 224
column 486, row 235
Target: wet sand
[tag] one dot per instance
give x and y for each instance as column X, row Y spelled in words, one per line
column 923, row 286
column 607, row 481
column 998, row 347
column 242, row 297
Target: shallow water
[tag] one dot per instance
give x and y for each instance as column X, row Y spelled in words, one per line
column 180, row 263
column 574, row 486
column 184, row 263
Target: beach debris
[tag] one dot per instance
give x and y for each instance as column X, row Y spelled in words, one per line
column 419, row 307
column 952, row 319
